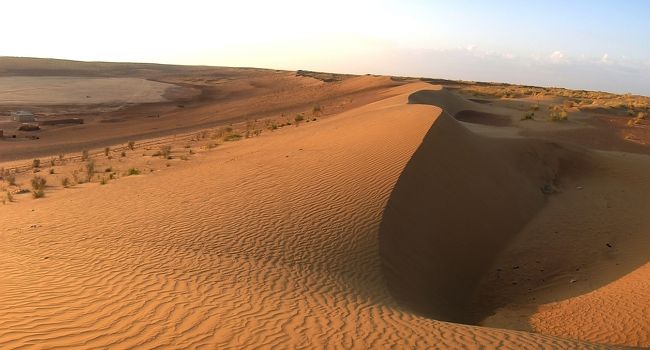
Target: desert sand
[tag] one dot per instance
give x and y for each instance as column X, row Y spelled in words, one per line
column 387, row 223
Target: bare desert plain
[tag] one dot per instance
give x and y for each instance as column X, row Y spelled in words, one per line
column 158, row 206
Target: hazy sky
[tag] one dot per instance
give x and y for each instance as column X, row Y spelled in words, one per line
column 600, row 45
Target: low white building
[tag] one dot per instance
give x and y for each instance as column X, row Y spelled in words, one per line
column 23, row 116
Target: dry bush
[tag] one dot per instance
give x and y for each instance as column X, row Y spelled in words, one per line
column 638, row 119
column 38, row 185
column 166, row 151
column 90, row 170
column 557, row 114
column 84, row 154
column 131, row 145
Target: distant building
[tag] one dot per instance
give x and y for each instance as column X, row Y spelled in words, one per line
column 23, row 116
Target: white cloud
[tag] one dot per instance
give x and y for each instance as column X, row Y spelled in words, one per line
column 557, row 57
column 605, row 58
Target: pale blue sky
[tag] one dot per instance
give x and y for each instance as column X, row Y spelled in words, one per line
column 600, row 45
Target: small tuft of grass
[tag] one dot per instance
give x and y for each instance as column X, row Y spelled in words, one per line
column 84, row 155
column 65, row 182
column 36, row 163
column 107, row 151
column 131, row 145
column 132, row 171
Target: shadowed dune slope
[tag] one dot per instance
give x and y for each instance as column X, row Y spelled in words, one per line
column 459, row 200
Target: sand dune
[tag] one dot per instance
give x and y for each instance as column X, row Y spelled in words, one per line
column 459, row 200
column 466, row 207
column 275, row 241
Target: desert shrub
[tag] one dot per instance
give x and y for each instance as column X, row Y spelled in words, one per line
column 108, row 170
column 123, row 154
column 36, row 163
column 103, row 181
column 38, row 185
column 132, row 171
column 10, row 197
column 637, row 120
column 11, row 179
column 38, row 182
column 528, row 116
column 557, row 114
column 75, row 176
column 534, row 107
column 166, row 151
column 107, row 150
column 233, row 137
column 90, row 170
column 84, row 154
column 317, row 110
column 61, row 156
column 131, row 145
column 65, row 182
column 299, row 118
column 51, row 171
